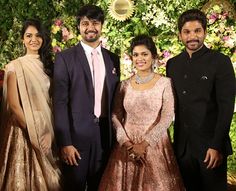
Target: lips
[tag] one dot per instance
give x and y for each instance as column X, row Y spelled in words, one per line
column 34, row 44
column 91, row 32
column 192, row 41
column 140, row 64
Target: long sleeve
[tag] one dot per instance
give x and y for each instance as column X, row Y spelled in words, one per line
column 225, row 95
column 118, row 114
column 165, row 116
column 60, row 102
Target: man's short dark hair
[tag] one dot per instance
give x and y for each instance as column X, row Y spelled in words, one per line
column 91, row 12
column 192, row 15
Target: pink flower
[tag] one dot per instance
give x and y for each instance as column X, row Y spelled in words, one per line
column 225, row 38
column 212, row 18
column 223, row 16
column 166, row 54
column 58, row 22
column 56, row 49
column 103, row 42
column 228, row 42
column 65, row 34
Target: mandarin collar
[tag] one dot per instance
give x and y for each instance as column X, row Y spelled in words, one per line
column 197, row 54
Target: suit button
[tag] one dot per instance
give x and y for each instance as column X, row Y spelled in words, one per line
column 184, row 92
column 185, row 76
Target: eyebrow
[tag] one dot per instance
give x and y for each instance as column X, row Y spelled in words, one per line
column 141, row 52
column 194, row 29
column 32, row 33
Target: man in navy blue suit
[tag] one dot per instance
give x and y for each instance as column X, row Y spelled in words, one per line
column 83, row 126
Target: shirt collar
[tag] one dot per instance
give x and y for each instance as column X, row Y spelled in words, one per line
column 89, row 49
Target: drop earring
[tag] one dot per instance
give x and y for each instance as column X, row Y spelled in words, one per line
column 154, row 65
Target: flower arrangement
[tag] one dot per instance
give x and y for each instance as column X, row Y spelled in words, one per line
column 221, row 31
column 157, row 20
column 157, row 17
column 64, row 33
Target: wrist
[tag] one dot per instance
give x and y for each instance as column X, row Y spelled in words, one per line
column 127, row 144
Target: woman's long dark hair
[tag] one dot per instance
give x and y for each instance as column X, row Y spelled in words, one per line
column 45, row 52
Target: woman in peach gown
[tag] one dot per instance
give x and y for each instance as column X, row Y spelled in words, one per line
column 27, row 154
column 143, row 158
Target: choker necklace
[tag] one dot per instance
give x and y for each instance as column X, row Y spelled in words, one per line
column 144, row 80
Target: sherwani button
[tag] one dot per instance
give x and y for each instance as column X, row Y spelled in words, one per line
column 184, row 92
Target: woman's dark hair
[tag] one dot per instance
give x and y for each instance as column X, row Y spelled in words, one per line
column 91, row 12
column 146, row 41
column 192, row 15
column 45, row 52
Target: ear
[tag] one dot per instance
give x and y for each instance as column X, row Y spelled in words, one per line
column 179, row 36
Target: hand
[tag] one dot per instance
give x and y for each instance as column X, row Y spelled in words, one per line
column 127, row 145
column 70, row 155
column 138, row 151
column 45, row 143
column 213, row 158
column 16, row 123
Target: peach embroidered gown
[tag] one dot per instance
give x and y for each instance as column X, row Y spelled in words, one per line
column 135, row 111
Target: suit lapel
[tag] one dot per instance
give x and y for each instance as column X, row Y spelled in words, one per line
column 84, row 62
column 109, row 67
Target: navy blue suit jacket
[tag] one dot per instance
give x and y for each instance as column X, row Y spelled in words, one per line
column 73, row 96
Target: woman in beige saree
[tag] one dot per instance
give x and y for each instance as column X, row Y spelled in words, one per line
column 27, row 152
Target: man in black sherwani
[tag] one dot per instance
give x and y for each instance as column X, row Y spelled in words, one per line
column 204, row 85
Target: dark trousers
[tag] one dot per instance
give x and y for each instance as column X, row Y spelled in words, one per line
column 87, row 175
column 197, row 177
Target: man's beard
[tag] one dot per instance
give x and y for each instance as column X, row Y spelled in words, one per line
column 92, row 39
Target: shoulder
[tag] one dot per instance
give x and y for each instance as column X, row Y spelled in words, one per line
column 10, row 67
column 166, row 81
column 124, row 83
column 68, row 51
column 176, row 58
column 218, row 56
column 111, row 54
column 173, row 63
column 220, row 61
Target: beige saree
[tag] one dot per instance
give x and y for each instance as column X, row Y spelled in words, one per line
column 23, row 165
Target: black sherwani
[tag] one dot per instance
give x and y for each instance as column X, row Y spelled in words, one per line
column 204, row 86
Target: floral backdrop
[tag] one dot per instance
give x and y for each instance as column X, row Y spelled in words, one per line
column 155, row 18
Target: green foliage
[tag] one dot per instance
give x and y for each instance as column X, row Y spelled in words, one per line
column 12, row 14
column 232, row 158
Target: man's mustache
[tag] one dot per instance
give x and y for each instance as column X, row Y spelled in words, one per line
column 192, row 41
